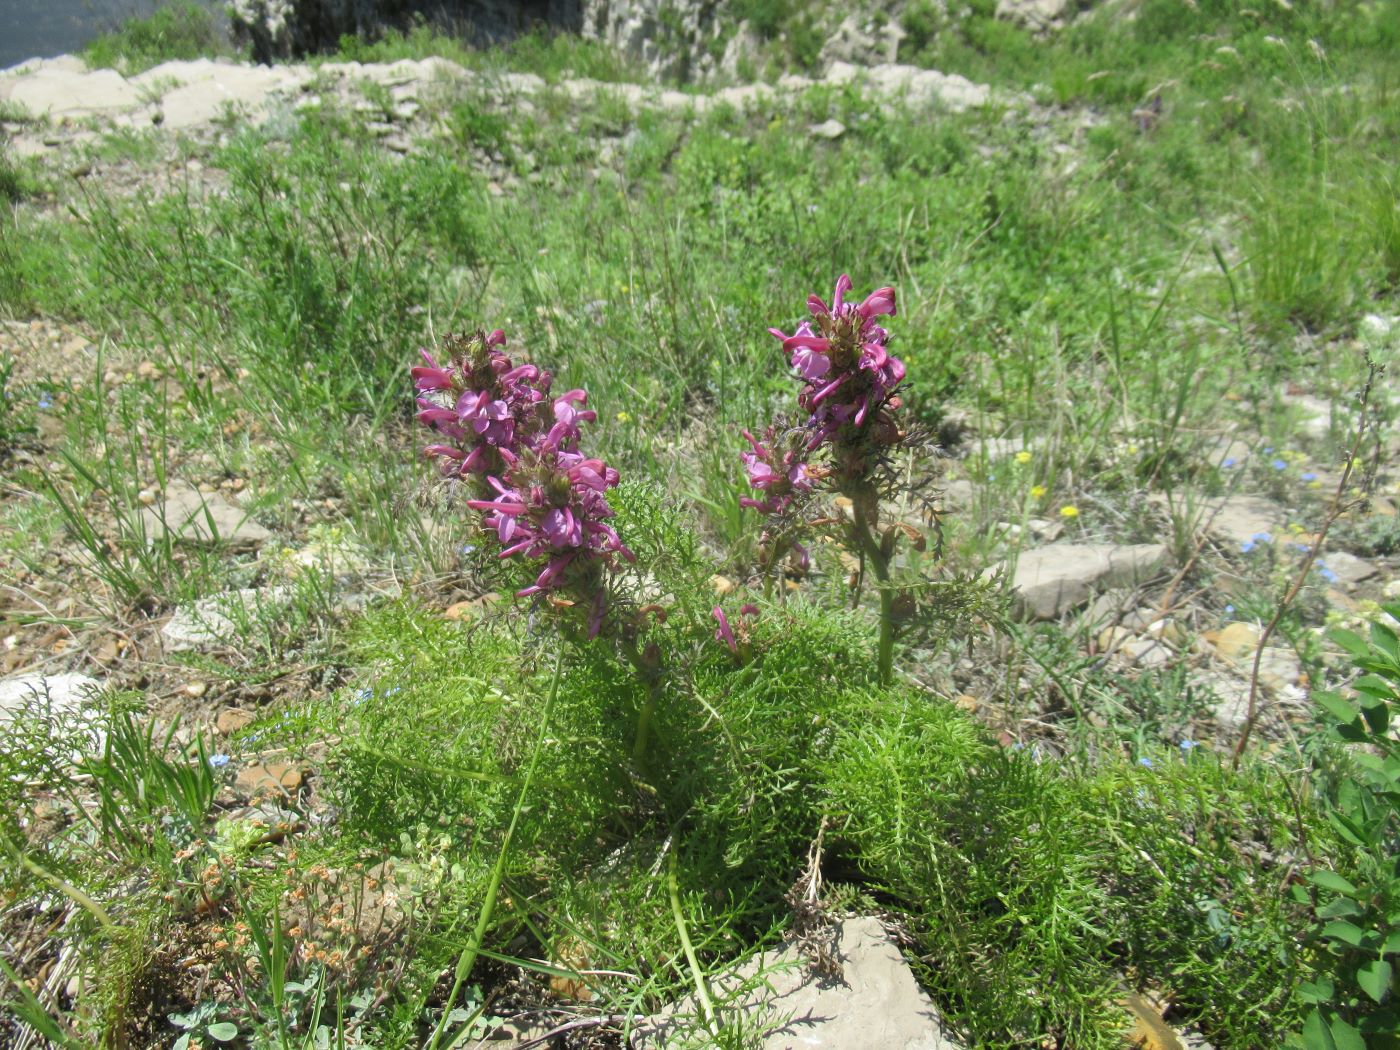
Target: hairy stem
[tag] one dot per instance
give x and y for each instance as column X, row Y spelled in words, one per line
column 652, row 679
column 879, row 561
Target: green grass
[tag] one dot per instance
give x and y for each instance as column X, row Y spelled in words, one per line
column 1123, row 287
column 182, row 30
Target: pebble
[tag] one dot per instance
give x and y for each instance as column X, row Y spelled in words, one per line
column 273, row 777
column 195, row 689
column 231, row 719
column 1237, row 641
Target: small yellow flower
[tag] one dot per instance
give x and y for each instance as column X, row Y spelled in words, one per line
column 1069, row 510
column 1023, row 457
column 1037, row 492
column 1314, row 484
column 624, row 417
column 1132, row 450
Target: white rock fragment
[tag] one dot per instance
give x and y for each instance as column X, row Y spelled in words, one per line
column 189, row 516
column 1050, row 581
column 875, row 1003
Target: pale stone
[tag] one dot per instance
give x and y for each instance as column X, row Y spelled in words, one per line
column 875, row 1002
column 1241, row 519
column 191, row 516
column 58, row 92
column 1033, row 14
column 1348, row 568
column 232, row 719
column 273, row 777
column 1052, row 580
column 1237, row 641
column 57, row 694
column 828, row 129
column 64, row 702
column 220, row 619
column 1147, row 652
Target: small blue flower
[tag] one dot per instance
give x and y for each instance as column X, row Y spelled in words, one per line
column 363, row 694
column 1262, row 537
column 45, row 402
column 1145, row 762
column 1247, row 546
column 1268, row 449
column 466, row 548
column 218, row 761
column 1229, row 462
column 1188, row 745
column 1326, row 573
column 1279, row 464
column 1309, row 476
column 1229, row 610
column 1301, row 548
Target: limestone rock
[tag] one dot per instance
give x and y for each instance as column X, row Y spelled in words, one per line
column 1037, row 15
column 828, row 129
column 232, row 719
column 220, row 619
column 874, row 1003
column 272, row 778
column 191, row 516
column 1052, row 580
column 58, row 92
column 56, row 694
column 1237, row 641
column 1240, row 519
column 63, row 702
column 1348, row 568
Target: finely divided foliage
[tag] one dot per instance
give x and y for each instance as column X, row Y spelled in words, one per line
column 693, row 638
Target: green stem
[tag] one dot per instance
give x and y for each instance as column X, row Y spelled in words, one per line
column 639, row 746
column 473, row 947
column 650, row 674
column 870, row 545
column 701, row 991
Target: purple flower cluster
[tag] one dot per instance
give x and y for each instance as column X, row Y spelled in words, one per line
column 545, row 498
column 779, row 475
column 849, row 383
column 850, row 377
column 480, row 401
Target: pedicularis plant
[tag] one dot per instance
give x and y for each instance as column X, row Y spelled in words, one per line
column 844, row 442
column 518, row 450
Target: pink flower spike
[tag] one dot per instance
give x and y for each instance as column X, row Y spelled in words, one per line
column 724, row 634
column 748, row 610
column 496, row 338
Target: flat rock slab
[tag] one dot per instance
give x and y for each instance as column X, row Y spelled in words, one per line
column 221, row 619
column 1052, row 580
column 874, row 1003
column 1347, row 568
column 58, row 92
column 58, row 694
column 190, row 516
column 1242, row 518
column 63, row 702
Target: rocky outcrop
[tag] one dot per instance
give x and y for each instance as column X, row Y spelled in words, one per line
column 282, row 29
column 671, row 40
column 187, row 95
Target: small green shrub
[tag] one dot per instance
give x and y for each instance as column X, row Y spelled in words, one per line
column 182, row 30
column 1357, row 908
